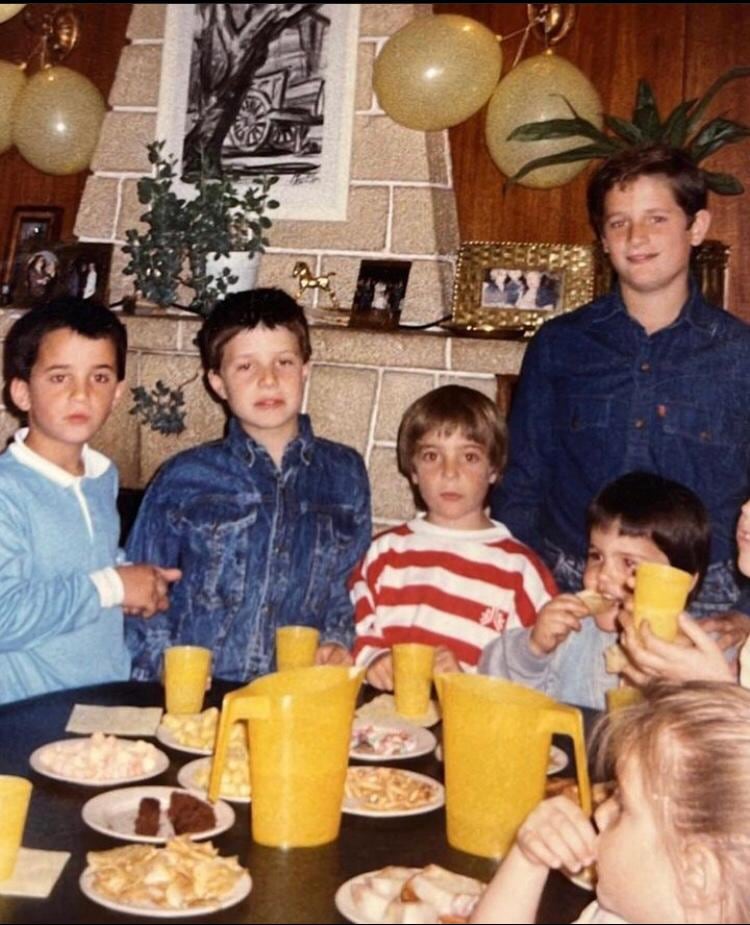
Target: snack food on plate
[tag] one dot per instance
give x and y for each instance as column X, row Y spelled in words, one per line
column 428, row 895
column 149, row 816
column 182, row 875
column 198, row 730
column 377, row 740
column 189, row 814
column 235, row 778
column 387, row 789
column 100, row 757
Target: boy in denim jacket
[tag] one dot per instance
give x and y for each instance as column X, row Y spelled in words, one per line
column 268, row 522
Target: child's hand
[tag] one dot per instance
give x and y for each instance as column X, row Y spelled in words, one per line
column 558, row 834
column 445, row 660
column 555, row 621
column 331, row 653
column 652, row 657
column 146, row 588
column 380, row 672
column 732, row 628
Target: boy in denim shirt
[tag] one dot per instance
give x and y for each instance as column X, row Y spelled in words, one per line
column 63, row 585
column 267, row 523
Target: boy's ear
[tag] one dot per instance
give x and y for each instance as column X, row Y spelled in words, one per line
column 119, row 392
column 699, row 228
column 216, row 383
column 19, row 393
column 701, row 878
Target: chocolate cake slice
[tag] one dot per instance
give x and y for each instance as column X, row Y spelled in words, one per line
column 147, row 820
column 189, row 814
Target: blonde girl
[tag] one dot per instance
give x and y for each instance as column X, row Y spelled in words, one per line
column 673, row 843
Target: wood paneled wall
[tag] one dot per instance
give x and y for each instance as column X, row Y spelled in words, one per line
column 680, row 49
column 103, row 27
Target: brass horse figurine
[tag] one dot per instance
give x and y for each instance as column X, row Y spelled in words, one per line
column 305, row 280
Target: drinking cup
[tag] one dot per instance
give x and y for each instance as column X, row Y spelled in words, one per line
column 660, row 595
column 186, row 673
column 296, row 646
column 15, row 793
column 413, row 665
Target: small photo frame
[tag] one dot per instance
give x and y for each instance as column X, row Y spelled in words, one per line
column 507, row 288
column 32, row 229
column 79, row 269
column 381, row 287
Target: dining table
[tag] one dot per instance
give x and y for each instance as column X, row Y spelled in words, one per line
column 288, row 885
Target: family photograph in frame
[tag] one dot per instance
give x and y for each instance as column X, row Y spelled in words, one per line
column 381, row 287
column 263, row 88
column 510, row 288
column 79, row 269
column 32, row 230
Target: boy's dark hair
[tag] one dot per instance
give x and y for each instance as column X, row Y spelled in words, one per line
column 671, row 515
column 686, row 179
column 449, row 408
column 87, row 318
column 243, row 311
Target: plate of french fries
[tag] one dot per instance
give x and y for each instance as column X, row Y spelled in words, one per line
column 383, row 792
column 235, row 779
column 182, row 879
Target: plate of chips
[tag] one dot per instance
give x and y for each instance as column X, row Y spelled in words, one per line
column 384, row 792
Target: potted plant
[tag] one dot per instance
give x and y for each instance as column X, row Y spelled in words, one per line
column 185, row 237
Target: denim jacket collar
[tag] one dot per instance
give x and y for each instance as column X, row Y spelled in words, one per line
column 300, row 449
column 694, row 312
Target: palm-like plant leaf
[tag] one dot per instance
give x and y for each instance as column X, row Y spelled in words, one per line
column 703, row 104
column 723, row 183
column 584, row 153
column 674, row 132
column 714, row 135
column 560, row 128
column 626, row 130
column 646, row 113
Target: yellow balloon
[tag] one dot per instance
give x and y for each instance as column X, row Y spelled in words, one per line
column 12, row 81
column 533, row 92
column 437, row 71
column 8, row 10
column 56, row 121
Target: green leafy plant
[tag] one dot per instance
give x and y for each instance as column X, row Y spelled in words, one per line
column 680, row 129
column 162, row 408
column 183, row 233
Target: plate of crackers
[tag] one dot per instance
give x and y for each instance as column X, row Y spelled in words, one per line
column 182, row 879
column 387, row 792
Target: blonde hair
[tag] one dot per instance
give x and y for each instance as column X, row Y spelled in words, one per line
column 692, row 746
column 450, row 408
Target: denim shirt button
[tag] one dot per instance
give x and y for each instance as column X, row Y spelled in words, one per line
column 639, row 424
column 645, row 367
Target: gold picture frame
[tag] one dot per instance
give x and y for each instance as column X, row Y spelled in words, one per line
column 510, row 288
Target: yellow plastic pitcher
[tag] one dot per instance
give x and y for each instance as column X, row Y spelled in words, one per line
column 300, row 723
column 496, row 743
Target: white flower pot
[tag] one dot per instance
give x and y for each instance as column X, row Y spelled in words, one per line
column 241, row 265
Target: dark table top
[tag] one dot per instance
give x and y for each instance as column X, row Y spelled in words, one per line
column 288, row 885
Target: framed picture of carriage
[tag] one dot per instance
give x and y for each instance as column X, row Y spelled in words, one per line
column 266, row 88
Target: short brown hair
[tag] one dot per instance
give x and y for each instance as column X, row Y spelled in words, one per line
column 243, row 311
column 685, row 178
column 692, row 747
column 449, row 408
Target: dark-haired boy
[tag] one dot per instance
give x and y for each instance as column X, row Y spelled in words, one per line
column 639, row 517
column 265, row 524
column 62, row 587
column 650, row 376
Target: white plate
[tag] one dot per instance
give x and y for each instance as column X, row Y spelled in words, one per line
column 186, row 778
column 557, row 758
column 382, row 709
column 422, row 741
column 36, row 760
column 114, row 813
column 167, row 737
column 241, row 890
column 357, row 808
column 345, row 904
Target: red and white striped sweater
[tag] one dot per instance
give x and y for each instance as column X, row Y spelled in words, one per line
column 456, row 588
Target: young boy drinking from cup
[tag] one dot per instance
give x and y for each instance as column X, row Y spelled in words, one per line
column 640, row 517
column 454, row 579
column 63, row 587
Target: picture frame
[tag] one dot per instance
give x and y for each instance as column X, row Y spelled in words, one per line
column 510, row 288
column 381, row 287
column 295, row 116
column 31, row 228
column 79, row 269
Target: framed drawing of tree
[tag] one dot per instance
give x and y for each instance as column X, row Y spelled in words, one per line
column 263, row 88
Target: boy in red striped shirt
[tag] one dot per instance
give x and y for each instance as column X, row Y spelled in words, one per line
column 453, row 579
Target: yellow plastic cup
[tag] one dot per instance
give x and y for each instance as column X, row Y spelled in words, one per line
column 413, row 666
column 15, row 793
column 620, row 697
column 660, row 596
column 496, row 744
column 299, row 724
column 296, row 646
column 186, row 673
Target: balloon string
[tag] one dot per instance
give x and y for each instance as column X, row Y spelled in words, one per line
column 526, row 31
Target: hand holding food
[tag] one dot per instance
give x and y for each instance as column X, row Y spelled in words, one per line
column 555, row 621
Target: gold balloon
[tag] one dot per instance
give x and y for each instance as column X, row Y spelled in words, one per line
column 12, row 81
column 8, row 10
column 536, row 91
column 56, row 121
column 437, row 71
